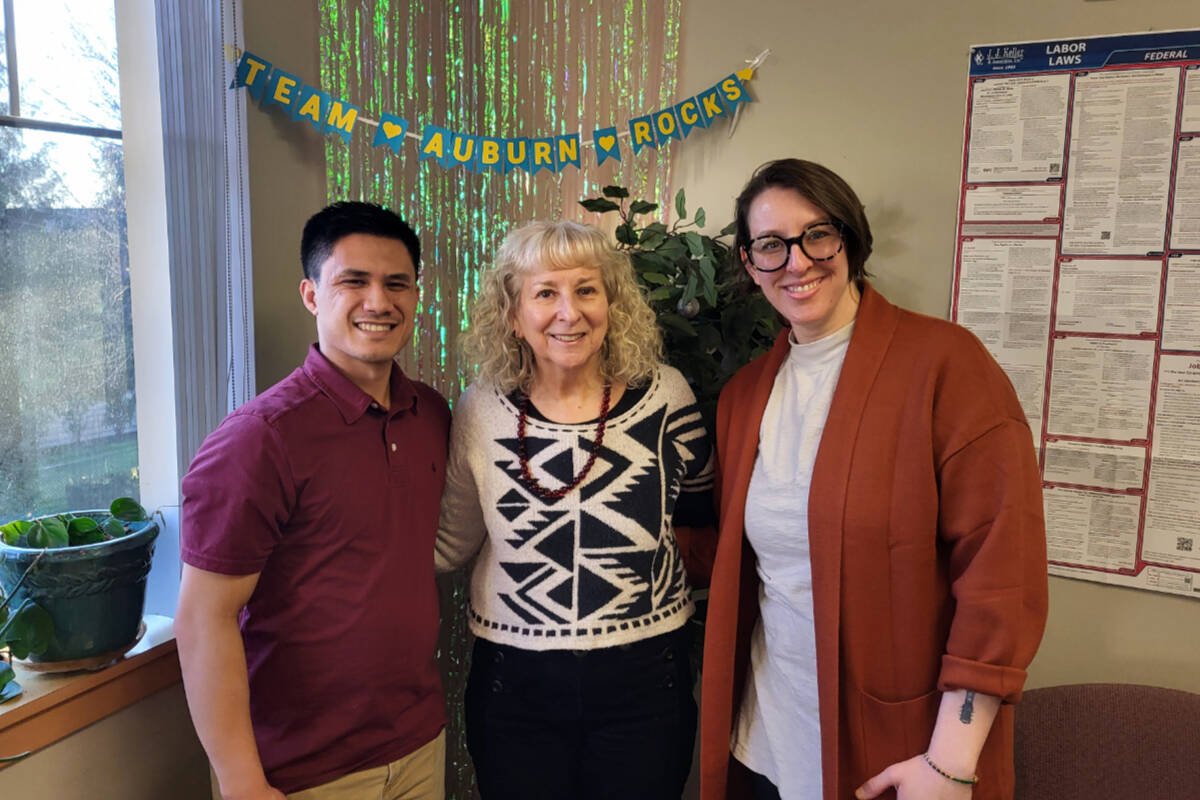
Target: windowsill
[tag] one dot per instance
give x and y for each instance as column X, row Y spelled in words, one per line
column 56, row 705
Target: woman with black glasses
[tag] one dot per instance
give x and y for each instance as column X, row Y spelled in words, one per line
column 880, row 581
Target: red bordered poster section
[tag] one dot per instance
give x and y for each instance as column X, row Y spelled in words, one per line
column 1077, row 263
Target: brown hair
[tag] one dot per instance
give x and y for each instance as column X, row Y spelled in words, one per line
column 823, row 188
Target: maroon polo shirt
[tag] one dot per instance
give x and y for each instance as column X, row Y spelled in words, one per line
column 334, row 502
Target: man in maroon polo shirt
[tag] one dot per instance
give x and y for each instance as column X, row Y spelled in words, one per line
column 308, row 615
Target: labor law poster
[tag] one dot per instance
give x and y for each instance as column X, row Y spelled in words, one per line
column 1077, row 264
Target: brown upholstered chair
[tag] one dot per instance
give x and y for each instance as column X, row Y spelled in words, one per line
column 1107, row 741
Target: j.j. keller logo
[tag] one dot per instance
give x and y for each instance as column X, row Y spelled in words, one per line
column 999, row 55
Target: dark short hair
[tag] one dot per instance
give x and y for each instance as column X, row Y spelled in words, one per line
column 335, row 222
column 823, row 188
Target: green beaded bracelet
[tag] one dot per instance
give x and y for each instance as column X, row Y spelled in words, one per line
column 974, row 779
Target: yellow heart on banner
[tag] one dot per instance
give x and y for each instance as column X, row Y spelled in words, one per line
column 746, row 74
column 391, row 130
column 606, row 142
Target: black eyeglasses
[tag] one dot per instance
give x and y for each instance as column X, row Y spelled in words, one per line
column 820, row 241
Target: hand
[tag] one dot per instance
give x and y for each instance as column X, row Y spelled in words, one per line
column 914, row 780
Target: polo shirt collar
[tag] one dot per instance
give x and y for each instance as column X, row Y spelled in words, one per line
column 351, row 401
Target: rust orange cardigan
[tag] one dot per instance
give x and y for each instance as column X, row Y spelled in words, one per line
column 927, row 544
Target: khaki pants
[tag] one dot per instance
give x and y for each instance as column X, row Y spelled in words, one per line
column 420, row 775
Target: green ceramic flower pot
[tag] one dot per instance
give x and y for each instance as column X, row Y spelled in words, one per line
column 95, row 593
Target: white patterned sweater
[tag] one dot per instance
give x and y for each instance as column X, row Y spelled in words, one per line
column 599, row 566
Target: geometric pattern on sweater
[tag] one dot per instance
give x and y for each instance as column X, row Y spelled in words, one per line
column 600, row 565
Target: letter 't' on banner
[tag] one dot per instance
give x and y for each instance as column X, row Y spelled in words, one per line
column 252, row 72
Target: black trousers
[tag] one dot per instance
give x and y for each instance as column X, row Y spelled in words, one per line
column 619, row 722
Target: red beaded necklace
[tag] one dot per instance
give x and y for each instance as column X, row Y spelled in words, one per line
column 523, row 452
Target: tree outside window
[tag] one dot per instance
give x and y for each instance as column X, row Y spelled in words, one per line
column 68, row 437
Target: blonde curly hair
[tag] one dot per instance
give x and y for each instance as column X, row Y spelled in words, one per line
column 632, row 345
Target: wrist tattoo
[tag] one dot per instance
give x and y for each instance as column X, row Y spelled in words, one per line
column 968, row 708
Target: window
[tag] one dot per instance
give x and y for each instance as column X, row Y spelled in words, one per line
column 174, row 305
column 68, row 429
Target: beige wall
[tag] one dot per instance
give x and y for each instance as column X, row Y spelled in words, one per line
column 287, row 185
column 876, row 91
column 145, row 752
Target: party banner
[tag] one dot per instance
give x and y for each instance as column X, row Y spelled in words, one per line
column 270, row 85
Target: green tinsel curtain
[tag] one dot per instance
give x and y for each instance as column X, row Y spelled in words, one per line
column 508, row 69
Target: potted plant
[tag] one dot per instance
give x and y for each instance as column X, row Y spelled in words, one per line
column 710, row 327
column 84, row 574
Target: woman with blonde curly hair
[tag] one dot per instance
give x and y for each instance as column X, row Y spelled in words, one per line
column 574, row 457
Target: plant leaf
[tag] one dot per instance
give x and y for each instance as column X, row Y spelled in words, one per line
column 695, row 244
column 672, row 248
column 87, row 534
column 642, row 207
column 30, row 631
column 680, row 204
column 49, row 533
column 615, row 191
column 661, row 293
column 599, row 205
column 650, row 261
column 626, row 234
column 699, row 219
column 6, row 674
column 651, row 239
column 14, row 530
column 728, row 229
column 113, row 528
column 127, row 509
column 689, row 291
column 656, row 277
column 84, row 527
column 676, row 322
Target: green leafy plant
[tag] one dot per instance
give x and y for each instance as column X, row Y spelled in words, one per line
column 29, row 629
column 710, row 327
column 72, row 530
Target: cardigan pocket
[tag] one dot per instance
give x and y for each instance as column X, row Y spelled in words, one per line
column 890, row 732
